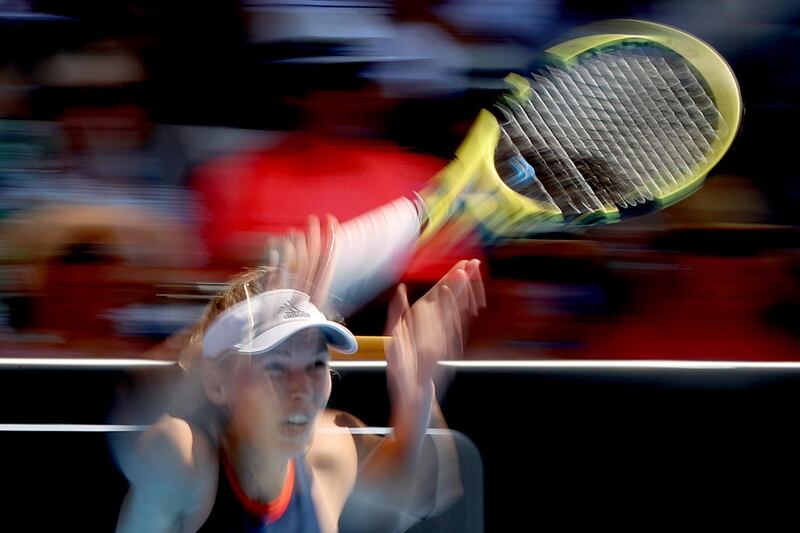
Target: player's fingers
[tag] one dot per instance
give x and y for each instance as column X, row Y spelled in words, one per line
column 453, row 342
column 272, row 255
column 458, row 282
column 327, row 261
column 402, row 355
column 288, row 263
column 473, row 270
column 454, row 325
column 397, row 306
column 313, row 247
column 302, row 260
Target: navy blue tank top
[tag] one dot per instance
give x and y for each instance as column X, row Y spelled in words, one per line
column 231, row 514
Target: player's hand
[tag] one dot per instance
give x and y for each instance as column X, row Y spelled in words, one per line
column 306, row 259
column 428, row 332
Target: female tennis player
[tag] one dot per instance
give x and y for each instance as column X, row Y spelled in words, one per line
column 259, row 451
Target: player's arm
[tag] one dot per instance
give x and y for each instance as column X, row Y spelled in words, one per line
column 406, row 470
column 172, row 472
column 400, row 483
column 334, row 461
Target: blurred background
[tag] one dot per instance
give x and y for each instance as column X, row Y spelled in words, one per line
column 148, row 150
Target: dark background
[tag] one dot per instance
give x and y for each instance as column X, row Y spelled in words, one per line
column 561, row 448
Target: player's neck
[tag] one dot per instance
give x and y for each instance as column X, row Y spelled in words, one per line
column 260, row 475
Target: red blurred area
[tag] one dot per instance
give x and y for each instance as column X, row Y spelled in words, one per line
column 592, row 300
column 251, row 196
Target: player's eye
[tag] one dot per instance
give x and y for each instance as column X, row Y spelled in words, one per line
column 319, row 365
column 274, row 369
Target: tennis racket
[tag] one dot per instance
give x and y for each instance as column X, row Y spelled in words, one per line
column 625, row 118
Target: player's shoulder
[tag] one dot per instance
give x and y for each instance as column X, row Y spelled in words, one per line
column 172, row 467
column 340, row 444
column 332, row 446
column 172, row 452
column 333, row 455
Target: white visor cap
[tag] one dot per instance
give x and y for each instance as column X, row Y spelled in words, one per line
column 261, row 322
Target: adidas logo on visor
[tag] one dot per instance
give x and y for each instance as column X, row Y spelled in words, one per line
column 290, row 310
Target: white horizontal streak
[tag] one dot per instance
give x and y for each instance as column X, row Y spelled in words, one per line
column 599, row 364
column 71, row 428
column 82, row 362
column 113, row 428
column 591, row 364
column 473, row 364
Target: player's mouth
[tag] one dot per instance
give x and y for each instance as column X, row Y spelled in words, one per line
column 296, row 423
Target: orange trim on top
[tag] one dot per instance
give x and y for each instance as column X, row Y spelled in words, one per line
column 270, row 511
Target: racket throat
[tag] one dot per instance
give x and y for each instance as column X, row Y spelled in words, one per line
column 471, row 186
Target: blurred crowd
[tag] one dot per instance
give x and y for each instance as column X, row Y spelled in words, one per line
column 148, row 151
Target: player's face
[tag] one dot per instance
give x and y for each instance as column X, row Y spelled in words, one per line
column 278, row 397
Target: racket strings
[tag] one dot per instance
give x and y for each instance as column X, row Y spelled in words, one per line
column 600, row 132
column 556, row 171
column 645, row 143
column 582, row 141
column 520, row 175
column 672, row 108
column 618, row 129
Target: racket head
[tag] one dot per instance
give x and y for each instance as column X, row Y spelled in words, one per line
column 711, row 68
column 504, row 207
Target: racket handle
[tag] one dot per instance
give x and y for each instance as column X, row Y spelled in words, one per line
column 373, row 251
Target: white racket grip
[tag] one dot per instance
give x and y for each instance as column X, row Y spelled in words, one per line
column 372, row 253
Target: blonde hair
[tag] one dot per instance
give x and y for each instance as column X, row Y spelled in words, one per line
column 186, row 398
column 248, row 283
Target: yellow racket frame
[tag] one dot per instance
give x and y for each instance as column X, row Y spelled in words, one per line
column 500, row 209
